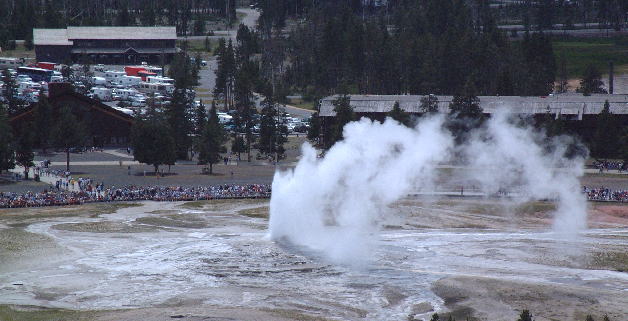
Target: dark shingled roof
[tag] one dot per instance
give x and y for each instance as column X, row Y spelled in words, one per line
column 565, row 104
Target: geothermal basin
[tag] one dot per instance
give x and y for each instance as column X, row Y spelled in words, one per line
column 214, row 260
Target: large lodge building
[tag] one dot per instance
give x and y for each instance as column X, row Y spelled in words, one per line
column 579, row 112
column 106, row 45
column 106, row 126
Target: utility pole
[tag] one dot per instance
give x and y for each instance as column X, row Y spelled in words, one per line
column 228, row 14
column 611, row 76
column 277, row 133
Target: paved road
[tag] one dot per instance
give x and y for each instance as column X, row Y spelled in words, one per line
column 578, row 33
column 249, row 20
column 298, row 112
column 208, row 76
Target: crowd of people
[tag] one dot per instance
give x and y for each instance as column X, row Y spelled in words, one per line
column 605, row 194
column 60, row 197
column 605, row 165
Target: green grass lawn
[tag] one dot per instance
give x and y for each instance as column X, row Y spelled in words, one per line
column 579, row 52
column 19, row 52
column 305, row 105
column 199, row 46
column 35, row 314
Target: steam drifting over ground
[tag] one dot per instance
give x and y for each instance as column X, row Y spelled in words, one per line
column 334, row 205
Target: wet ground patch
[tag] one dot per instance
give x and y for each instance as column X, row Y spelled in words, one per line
column 257, row 212
column 21, row 313
column 294, row 315
column 181, row 221
column 17, row 244
column 220, row 204
column 490, row 298
column 105, row 227
column 27, row 216
column 616, row 261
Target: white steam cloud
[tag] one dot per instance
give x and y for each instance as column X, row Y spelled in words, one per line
column 334, row 204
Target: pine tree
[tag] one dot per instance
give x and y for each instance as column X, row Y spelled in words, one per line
column 153, row 142
column 271, row 137
column 52, row 19
column 606, row 139
column 42, row 115
column 435, row 317
column 465, row 114
column 314, row 131
column 182, row 71
column 245, row 109
column 589, row 318
column 8, row 91
column 7, row 157
column 200, row 118
column 540, row 63
column 268, row 126
column 344, row 115
column 196, row 68
column 28, row 42
column 199, row 27
column 591, row 82
column 429, row 104
column 553, row 126
column 399, row 115
column 238, row 146
column 177, row 117
column 545, row 14
column 24, row 148
column 563, row 84
column 212, row 141
column 68, row 133
column 225, row 73
column 148, row 17
column 124, row 17
column 220, row 72
column 525, row 316
column 208, row 46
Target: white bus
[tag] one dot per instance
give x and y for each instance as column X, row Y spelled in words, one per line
column 114, row 77
column 10, row 63
column 156, row 88
column 130, row 81
column 104, row 94
column 157, row 79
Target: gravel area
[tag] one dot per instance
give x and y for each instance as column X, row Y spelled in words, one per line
column 179, row 175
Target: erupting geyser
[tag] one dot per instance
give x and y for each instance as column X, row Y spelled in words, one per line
column 334, row 204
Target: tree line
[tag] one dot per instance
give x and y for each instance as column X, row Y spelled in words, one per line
column 532, row 14
column 420, row 47
column 184, row 128
column 61, row 129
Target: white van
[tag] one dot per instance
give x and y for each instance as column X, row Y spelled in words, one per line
column 114, row 77
column 23, row 86
column 103, row 94
column 157, row 79
column 156, row 88
column 99, row 81
column 56, row 79
column 10, row 63
column 131, row 81
column 125, row 94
